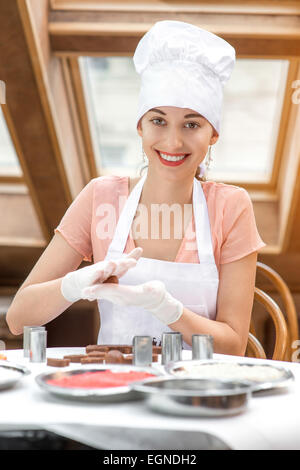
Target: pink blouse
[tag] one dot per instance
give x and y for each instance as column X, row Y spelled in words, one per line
column 89, row 223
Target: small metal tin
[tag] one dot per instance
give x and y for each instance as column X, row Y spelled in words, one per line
column 26, row 338
column 142, row 350
column 38, row 345
column 171, row 347
column 202, row 347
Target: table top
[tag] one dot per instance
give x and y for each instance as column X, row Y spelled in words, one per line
column 271, row 420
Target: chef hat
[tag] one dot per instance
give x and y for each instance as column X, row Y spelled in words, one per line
column 185, row 66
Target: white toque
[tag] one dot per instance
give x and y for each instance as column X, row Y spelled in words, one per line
column 185, row 66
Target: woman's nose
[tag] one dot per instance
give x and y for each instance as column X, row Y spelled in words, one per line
column 174, row 141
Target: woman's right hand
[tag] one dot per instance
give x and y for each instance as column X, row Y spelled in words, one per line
column 74, row 282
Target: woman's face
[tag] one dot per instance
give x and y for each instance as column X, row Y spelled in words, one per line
column 175, row 132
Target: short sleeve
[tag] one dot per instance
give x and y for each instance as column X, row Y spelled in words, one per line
column 240, row 234
column 75, row 226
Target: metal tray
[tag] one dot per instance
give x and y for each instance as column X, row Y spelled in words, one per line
column 21, row 371
column 185, row 369
column 195, row 397
column 111, row 394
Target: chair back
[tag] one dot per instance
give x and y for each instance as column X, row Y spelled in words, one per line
column 289, row 306
column 254, row 347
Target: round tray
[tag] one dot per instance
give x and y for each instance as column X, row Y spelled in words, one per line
column 19, row 372
column 109, row 394
column 195, row 397
column 282, row 377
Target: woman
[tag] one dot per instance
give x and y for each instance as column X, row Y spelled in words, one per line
column 200, row 281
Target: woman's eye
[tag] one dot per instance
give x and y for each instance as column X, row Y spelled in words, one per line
column 194, row 124
column 157, row 119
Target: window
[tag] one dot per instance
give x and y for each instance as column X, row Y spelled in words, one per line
column 112, row 99
column 9, row 164
column 253, row 99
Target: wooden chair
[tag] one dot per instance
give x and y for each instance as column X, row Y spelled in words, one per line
column 289, row 306
column 254, row 347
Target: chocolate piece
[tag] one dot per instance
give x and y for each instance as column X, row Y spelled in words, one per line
column 112, row 279
column 96, row 347
column 75, row 357
column 127, row 350
column 128, row 359
column 96, row 354
column 92, row 360
column 120, row 347
column 156, row 349
column 54, row 362
column 114, row 357
column 124, row 348
column 154, row 357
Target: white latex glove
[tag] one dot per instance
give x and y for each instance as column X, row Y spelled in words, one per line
column 151, row 295
column 75, row 282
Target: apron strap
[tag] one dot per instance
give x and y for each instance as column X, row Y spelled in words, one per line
column 126, row 218
column 202, row 224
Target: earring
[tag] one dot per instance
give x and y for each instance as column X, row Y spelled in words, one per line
column 144, row 156
column 209, row 159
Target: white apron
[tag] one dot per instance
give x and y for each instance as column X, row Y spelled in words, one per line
column 194, row 284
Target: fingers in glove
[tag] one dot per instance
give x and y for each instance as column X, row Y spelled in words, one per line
column 103, row 271
column 135, row 253
column 123, row 265
column 105, row 291
column 119, row 294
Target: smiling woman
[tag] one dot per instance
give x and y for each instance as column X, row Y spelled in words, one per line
column 186, row 282
column 167, row 137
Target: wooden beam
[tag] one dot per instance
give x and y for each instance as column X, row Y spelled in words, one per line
column 55, row 85
column 260, row 29
column 289, row 182
column 87, row 128
column 43, row 172
column 80, row 119
column 9, row 179
column 271, row 7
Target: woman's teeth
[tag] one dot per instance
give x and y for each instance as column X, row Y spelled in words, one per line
column 171, row 159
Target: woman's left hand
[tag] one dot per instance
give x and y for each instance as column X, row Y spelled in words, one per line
column 151, row 295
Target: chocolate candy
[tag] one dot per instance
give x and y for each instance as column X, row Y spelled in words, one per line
column 128, row 359
column 96, row 347
column 112, row 279
column 53, row 362
column 124, row 348
column 154, row 357
column 75, row 357
column 96, row 354
column 92, row 360
column 114, row 357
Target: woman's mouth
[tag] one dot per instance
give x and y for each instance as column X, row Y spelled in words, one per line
column 171, row 160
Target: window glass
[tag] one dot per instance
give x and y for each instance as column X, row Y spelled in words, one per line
column 253, row 99
column 9, row 163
